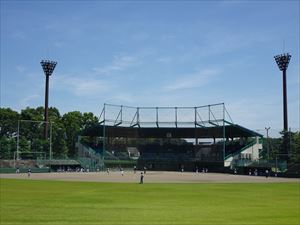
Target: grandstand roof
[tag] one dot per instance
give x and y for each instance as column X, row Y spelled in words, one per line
column 231, row 131
column 209, row 121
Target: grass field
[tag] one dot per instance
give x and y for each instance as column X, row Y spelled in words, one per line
column 62, row 203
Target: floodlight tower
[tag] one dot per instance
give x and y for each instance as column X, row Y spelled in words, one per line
column 48, row 67
column 283, row 62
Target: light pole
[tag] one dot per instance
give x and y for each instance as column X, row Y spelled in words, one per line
column 18, row 139
column 48, row 67
column 268, row 147
column 283, row 62
column 50, row 147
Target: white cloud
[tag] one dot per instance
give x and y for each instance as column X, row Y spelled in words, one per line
column 192, row 81
column 18, row 35
column 220, row 41
column 27, row 101
column 256, row 114
column 58, row 44
column 165, row 60
column 82, row 86
column 141, row 36
column 168, row 37
column 20, row 68
column 122, row 98
column 119, row 63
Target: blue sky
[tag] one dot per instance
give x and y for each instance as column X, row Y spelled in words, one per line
column 153, row 53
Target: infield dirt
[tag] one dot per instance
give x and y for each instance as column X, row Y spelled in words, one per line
column 151, row 177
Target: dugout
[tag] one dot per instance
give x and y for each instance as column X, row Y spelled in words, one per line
column 61, row 165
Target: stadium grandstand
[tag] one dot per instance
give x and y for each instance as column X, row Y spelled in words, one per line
column 169, row 138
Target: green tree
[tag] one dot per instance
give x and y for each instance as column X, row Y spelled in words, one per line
column 33, row 114
column 8, row 132
column 40, row 145
column 24, row 145
column 274, row 145
column 59, row 144
column 7, row 147
column 73, row 123
column 29, row 126
column 89, row 120
column 54, row 114
column 295, row 147
column 8, row 122
column 64, row 130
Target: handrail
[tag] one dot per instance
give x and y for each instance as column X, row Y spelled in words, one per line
column 242, row 149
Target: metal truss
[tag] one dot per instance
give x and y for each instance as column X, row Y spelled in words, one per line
column 198, row 116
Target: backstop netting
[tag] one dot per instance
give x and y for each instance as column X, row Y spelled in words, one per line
column 122, row 147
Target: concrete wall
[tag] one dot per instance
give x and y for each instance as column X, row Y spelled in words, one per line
column 251, row 153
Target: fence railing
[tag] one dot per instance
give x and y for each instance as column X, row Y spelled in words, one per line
column 89, row 158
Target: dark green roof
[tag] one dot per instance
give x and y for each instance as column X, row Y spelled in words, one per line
column 230, row 131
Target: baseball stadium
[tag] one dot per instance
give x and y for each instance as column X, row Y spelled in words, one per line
column 137, row 131
column 153, row 165
column 148, row 165
column 174, row 138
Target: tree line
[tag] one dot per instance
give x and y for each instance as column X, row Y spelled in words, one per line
column 66, row 128
column 64, row 131
column 275, row 148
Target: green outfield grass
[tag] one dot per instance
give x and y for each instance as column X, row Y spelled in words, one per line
column 62, row 203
